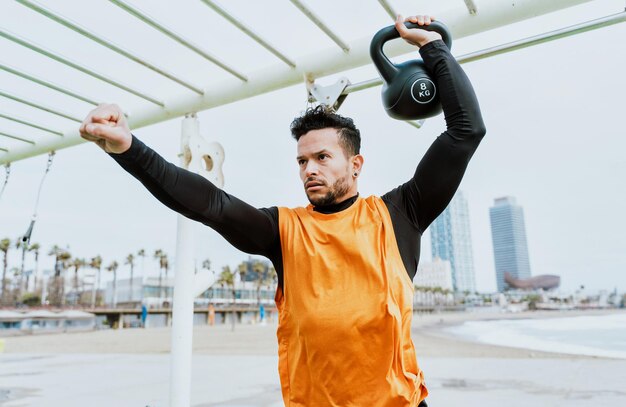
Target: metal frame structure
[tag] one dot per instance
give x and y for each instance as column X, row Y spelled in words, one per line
column 287, row 72
column 467, row 19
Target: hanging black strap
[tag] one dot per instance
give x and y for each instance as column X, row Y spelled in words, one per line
column 7, row 169
column 27, row 235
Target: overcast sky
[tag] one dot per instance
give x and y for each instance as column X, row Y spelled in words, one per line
column 555, row 141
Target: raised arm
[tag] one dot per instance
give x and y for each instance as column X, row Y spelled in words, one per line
column 440, row 171
column 249, row 229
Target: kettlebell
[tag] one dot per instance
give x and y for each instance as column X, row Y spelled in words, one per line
column 409, row 92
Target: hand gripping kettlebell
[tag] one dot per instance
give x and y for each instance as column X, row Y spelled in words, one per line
column 409, row 92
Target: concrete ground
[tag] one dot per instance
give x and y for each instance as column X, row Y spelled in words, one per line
column 131, row 368
column 78, row 380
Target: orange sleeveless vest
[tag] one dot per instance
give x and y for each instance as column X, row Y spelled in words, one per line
column 345, row 310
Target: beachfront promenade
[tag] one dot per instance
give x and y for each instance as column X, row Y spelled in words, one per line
column 130, row 367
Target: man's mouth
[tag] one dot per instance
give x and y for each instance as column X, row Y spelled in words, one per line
column 313, row 184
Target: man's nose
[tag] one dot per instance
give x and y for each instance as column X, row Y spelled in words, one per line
column 311, row 168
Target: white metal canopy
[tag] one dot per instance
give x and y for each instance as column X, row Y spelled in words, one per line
column 33, row 125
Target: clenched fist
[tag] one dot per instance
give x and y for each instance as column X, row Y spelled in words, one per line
column 107, row 127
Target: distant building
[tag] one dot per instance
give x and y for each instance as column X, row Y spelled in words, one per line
column 146, row 290
column 141, row 287
column 508, row 235
column 156, row 293
column 451, row 240
column 437, row 273
column 544, row 282
column 247, row 293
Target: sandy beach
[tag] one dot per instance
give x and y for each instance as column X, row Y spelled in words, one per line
column 130, row 367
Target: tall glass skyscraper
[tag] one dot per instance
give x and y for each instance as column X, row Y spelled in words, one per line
column 508, row 235
column 451, row 240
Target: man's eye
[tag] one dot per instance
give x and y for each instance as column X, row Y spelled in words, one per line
column 322, row 157
column 301, row 162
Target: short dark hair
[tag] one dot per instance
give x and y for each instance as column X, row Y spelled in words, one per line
column 323, row 117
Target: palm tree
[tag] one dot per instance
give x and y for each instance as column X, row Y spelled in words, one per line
column 142, row 253
column 206, row 264
column 35, row 249
column 227, row 278
column 258, row 269
column 272, row 276
column 446, row 293
column 95, row 263
column 130, row 260
column 158, row 253
column 5, row 244
column 165, row 265
column 77, row 263
column 61, row 262
column 53, row 289
column 14, row 292
column 424, row 296
column 19, row 244
column 65, row 258
column 113, row 268
column 242, row 270
column 263, row 275
column 438, row 293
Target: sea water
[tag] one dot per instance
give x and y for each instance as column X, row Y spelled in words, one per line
column 595, row 335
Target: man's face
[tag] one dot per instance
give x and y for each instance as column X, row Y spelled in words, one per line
column 326, row 172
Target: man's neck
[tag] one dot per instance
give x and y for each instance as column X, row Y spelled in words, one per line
column 336, row 207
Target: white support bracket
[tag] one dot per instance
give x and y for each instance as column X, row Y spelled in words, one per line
column 334, row 95
column 331, row 95
column 203, row 157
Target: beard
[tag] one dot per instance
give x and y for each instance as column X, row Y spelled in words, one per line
column 339, row 188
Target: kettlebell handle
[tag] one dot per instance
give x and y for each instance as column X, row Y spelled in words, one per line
column 386, row 68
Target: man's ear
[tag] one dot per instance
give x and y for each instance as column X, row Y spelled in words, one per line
column 357, row 164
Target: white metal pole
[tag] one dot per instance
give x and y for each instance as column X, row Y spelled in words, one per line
column 182, row 309
column 50, row 85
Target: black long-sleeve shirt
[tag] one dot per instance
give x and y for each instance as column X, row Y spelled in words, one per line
column 412, row 205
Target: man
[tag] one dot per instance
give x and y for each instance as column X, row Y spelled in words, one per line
column 345, row 263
